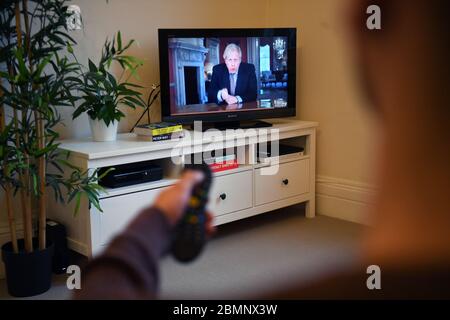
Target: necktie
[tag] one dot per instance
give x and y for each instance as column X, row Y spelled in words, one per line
column 232, row 83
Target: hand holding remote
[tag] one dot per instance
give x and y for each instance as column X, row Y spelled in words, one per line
column 190, row 232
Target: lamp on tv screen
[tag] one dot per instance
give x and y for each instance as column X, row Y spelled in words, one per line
column 220, row 75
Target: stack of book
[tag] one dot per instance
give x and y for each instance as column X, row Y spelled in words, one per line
column 160, row 131
column 222, row 163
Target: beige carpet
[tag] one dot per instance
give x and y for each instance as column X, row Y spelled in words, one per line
column 250, row 256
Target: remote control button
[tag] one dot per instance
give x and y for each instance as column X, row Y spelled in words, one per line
column 193, row 219
column 194, row 202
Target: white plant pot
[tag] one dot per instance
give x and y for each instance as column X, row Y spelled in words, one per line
column 101, row 132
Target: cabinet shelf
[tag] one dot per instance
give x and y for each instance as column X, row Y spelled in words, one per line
column 113, row 192
column 241, row 168
column 285, row 160
column 235, row 193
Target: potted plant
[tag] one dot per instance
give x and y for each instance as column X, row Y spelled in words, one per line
column 102, row 93
column 36, row 79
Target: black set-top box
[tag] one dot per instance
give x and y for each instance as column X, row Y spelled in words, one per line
column 130, row 174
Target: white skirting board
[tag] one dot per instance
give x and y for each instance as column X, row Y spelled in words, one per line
column 344, row 199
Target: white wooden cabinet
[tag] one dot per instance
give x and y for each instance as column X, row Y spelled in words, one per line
column 292, row 179
column 231, row 192
column 118, row 210
column 235, row 194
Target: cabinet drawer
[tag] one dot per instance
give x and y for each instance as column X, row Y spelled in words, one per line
column 231, row 193
column 119, row 211
column 292, row 179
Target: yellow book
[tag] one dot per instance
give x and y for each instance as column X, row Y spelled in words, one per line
column 166, row 130
column 157, row 129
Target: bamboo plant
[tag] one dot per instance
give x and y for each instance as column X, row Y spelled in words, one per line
column 37, row 77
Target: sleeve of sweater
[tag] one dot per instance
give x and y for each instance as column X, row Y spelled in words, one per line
column 128, row 268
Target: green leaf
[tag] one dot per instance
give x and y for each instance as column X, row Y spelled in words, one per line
column 133, row 100
column 119, row 41
column 68, row 164
column 35, row 184
column 65, row 35
column 71, row 196
column 46, row 150
column 132, row 60
column 78, row 201
column 77, row 113
column 41, row 67
column 108, row 62
column 56, row 39
column 92, row 67
column 131, row 105
column 133, row 85
column 105, row 173
column 128, row 66
column 21, row 62
column 4, row 75
column 125, row 91
column 93, row 197
column 74, row 79
column 112, row 80
column 128, row 45
column 69, row 48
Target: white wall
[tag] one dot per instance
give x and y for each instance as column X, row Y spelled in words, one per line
column 328, row 92
column 140, row 20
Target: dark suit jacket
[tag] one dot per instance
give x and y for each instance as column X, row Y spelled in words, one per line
column 245, row 86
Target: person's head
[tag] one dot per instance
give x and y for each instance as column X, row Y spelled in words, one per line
column 405, row 68
column 232, row 56
column 405, row 65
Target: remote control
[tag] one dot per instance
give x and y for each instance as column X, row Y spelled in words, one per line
column 190, row 232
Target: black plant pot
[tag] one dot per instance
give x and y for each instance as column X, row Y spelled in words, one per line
column 27, row 274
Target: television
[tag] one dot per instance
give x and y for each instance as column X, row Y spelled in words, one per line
column 227, row 77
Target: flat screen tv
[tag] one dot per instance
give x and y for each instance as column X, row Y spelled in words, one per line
column 227, row 75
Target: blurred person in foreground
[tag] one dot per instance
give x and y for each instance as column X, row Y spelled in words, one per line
column 405, row 70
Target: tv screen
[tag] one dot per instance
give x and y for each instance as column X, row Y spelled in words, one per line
column 221, row 75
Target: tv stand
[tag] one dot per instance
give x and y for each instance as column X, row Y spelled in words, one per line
column 236, row 125
column 254, row 187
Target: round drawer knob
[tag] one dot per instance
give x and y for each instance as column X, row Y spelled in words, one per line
column 285, row 182
column 223, row 196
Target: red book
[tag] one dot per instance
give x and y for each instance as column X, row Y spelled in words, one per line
column 222, row 166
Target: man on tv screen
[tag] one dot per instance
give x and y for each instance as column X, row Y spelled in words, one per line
column 234, row 81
